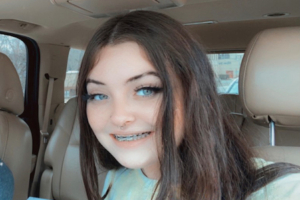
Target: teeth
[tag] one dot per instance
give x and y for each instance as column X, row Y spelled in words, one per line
column 131, row 137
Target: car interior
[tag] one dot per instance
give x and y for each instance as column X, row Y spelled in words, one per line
column 253, row 44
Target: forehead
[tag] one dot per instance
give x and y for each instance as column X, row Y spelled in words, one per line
column 122, row 59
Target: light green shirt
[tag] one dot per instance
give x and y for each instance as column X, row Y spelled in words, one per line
column 128, row 184
column 286, row 187
column 132, row 184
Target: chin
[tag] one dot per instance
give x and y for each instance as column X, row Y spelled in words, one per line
column 136, row 162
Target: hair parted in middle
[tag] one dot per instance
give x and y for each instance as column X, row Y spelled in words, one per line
column 213, row 161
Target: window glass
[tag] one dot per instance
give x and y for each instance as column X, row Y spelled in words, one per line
column 16, row 50
column 227, row 68
column 234, row 88
column 74, row 61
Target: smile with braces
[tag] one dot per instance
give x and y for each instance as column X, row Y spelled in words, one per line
column 132, row 137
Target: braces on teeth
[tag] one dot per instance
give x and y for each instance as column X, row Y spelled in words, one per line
column 132, row 137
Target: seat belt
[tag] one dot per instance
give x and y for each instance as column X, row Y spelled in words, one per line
column 44, row 137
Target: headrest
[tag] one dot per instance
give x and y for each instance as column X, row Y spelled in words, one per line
column 11, row 95
column 269, row 82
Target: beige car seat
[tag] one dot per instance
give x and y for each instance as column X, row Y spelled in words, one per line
column 269, row 86
column 15, row 135
column 255, row 134
column 62, row 179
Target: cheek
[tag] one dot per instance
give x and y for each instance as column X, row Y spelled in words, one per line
column 149, row 114
column 96, row 118
column 147, row 111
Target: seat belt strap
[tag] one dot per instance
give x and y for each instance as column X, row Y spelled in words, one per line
column 44, row 137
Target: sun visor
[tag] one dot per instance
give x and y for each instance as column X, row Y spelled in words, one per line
column 105, row 8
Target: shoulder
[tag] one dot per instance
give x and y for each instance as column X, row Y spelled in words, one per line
column 259, row 162
column 286, row 187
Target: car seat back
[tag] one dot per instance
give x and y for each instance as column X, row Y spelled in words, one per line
column 269, row 86
column 62, row 179
column 15, row 135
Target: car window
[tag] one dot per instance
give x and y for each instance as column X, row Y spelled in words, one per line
column 227, row 68
column 234, row 89
column 74, row 61
column 16, row 50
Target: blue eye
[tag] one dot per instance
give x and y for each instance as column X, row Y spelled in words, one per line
column 97, row 97
column 144, row 92
column 147, row 91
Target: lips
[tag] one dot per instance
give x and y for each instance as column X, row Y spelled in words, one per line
column 139, row 136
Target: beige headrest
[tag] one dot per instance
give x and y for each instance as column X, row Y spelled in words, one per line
column 270, row 77
column 11, row 95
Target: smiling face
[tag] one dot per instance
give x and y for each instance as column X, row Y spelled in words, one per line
column 125, row 93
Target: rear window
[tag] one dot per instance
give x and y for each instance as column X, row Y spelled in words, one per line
column 74, row 61
column 16, row 50
column 227, row 68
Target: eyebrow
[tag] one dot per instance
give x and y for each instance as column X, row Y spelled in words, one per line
column 142, row 75
column 129, row 80
column 94, row 81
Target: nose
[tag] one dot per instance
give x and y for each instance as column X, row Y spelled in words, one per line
column 122, row 114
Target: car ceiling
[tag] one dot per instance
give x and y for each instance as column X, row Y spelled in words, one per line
column 237, row 21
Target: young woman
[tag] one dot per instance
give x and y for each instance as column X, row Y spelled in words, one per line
column 150, row 113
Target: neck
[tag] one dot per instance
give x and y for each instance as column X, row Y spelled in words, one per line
column 152, row 171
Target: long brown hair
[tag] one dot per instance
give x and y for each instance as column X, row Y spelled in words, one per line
column 213, row 162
